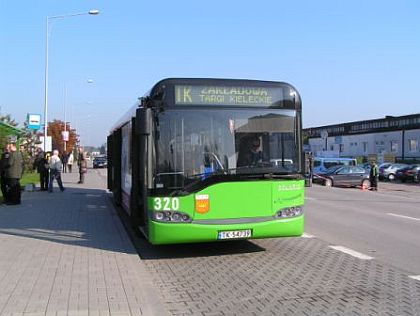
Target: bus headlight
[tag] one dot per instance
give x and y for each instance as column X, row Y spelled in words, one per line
column 289, row 212
column 172, row 217
column 159, row 216
column 176, row 217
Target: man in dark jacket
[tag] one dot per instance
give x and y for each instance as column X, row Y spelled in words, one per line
column 373, row 176
column 14, row 170
column 3, row 181
column 41, row 166
column 249, row 152
column 64, row 159
column 82, row 162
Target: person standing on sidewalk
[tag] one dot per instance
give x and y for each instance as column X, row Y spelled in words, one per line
column 41, row 165
column 373, row 176
column 70, row 161
column 82, row 161
column 14, row 170
column 55, row 171
column 64, row 159
column 3, row 180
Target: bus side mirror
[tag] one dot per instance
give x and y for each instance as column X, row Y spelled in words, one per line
column 144, row 121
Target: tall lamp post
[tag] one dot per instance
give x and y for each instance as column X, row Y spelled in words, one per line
column 66, row 133
column 48, row 18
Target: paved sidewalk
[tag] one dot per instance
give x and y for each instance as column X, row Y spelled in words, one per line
column 67, row 253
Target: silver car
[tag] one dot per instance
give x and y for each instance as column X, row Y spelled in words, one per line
column 388, row 172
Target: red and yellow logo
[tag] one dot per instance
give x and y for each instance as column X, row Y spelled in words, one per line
column 202, row 203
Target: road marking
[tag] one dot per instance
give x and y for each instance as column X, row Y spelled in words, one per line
column 305, row 235
column 403, row 216
column 415, row 277
column 351, row 252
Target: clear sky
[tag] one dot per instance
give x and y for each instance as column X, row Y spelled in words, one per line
column 350, row 60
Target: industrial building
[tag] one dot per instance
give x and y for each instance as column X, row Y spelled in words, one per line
column 392, row 136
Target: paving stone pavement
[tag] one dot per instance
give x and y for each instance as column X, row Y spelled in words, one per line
column 290, row 276
column 67, row 253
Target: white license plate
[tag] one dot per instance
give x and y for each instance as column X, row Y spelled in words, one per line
column 234, row 234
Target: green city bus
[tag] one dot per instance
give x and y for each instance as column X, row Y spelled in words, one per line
column 199, row 160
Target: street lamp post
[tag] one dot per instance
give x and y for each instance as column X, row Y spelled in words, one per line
column 48, row 18
column 67, row 133
column 65, row 121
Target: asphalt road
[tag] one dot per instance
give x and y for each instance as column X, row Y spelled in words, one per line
column 384, row 225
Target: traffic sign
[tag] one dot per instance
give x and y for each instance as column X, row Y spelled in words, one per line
column 34, row 121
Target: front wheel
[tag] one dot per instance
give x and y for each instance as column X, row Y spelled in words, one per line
column 391, row 177
column 328, row 183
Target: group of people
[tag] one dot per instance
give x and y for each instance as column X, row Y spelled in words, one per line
column 50, row 167
column 11, row 170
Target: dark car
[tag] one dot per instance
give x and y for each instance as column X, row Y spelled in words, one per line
column 344, row 176
column 408, row 173
column 100, row 162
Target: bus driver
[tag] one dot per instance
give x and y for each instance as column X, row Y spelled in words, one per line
column 250, row 152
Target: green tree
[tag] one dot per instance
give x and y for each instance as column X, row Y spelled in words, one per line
column 8, row 120
column 29, row 142
column 102, row 149
column 8, row 128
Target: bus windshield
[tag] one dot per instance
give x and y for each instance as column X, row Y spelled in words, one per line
column 197, row 143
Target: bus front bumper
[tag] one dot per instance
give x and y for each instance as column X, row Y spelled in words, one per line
column 174, row 233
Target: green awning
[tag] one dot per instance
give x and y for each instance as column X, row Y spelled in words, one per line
column 8, row 130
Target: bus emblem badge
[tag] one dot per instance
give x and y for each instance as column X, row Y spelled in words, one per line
column 202, row 203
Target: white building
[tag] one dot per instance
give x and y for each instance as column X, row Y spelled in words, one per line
column 397, row 136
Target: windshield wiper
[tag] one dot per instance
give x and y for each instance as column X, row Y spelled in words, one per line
column 202, row 180
column 199, row 180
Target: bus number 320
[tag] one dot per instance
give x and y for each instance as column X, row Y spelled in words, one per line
column 165, row 204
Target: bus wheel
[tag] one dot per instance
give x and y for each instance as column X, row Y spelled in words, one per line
column 328, row 183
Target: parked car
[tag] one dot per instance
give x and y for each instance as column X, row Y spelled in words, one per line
column 388, row 172
column 100, row 162
column 343, row 176
column 366, row 166
column 321, row 164
column 408, row 173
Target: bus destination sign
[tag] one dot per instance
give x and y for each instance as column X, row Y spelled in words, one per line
column 227, row 95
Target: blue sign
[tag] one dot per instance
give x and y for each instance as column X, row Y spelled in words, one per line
column 34, row 121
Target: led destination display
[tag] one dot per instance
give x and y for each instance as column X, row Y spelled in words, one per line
column 227, row 95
